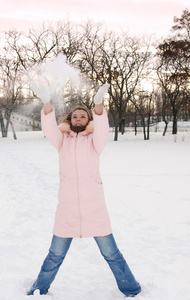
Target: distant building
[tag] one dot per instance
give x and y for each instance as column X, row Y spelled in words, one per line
column 23, row 123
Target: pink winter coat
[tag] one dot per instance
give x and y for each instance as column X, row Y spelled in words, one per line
column 81, row 210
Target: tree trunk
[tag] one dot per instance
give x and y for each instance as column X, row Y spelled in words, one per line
column 7, row 127
column 116, row 128
column 148, row 126
column 13, row 130
column 165, row 128
column 144, row 131
column 8, row 118
column 144, row 127
column 116, row 134
column 123, row 126
column 135, row 123
column 3, row 131
column 174, row 129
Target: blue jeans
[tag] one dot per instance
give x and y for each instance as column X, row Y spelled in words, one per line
column 125, row 280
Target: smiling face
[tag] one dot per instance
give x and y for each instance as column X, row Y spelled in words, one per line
column 79, row 118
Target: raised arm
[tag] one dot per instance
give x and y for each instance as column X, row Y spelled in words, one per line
column 101, row 125
column 49, row 126
column 47, row 108
column 99, row 98
column 98, row 109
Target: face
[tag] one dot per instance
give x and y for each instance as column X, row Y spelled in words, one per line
column 79, row 118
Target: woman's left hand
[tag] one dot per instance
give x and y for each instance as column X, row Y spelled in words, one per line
column 99, row 98
column 100, row 93
column 90, row 127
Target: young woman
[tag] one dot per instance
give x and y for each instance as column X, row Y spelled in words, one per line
column 81, row 210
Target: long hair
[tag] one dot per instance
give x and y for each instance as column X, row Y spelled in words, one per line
column 67, row 118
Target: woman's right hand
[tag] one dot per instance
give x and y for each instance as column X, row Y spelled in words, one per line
column 64, row 127
column 47, row 108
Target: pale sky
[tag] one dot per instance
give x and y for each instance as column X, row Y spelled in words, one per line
column 138, row 16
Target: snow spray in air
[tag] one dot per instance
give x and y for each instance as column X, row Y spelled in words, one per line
column 48, row 79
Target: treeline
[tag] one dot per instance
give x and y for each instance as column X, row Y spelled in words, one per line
column 149, row 80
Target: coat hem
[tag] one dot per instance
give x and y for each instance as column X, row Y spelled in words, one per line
column 82, row 236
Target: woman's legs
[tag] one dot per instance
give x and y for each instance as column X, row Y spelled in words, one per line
column 50, row 267
column 125, row 280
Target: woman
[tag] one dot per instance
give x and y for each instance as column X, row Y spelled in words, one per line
column 81, row 210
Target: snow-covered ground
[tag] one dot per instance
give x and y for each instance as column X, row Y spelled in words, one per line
column 147, row 189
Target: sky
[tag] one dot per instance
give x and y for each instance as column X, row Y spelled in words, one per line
column 138, row 16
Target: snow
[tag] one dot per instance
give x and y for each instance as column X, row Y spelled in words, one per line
column 48, row 79
column 146, row 187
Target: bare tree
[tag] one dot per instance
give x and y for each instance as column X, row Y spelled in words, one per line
column 165, row 111
column 10, row 69
column 41, row 45
column 182, row 25
column 116, row 59
column 125, row 61
column 89, row 58
column 173, row 73
column 143, row 102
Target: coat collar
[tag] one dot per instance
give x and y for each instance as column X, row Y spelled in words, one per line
column 82, row 133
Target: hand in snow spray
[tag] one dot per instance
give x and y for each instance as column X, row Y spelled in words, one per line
column 41, row 88
column 100, row 93
column 48, row 79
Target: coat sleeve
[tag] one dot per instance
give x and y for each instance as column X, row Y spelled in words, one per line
column 101, row 131
column 51, row 130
